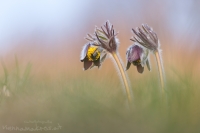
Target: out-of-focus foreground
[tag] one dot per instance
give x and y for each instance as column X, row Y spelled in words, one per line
column 42, row 80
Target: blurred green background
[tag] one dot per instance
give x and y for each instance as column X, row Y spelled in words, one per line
column 42, row 79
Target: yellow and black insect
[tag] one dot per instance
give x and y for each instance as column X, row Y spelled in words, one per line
column 93, row 54
column 137, row 62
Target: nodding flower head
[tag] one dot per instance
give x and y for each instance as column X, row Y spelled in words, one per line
column 106, row 37
column 91, row 56
column 138, row 56
column 146, row 37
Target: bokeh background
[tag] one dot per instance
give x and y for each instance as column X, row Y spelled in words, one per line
column 42, row 77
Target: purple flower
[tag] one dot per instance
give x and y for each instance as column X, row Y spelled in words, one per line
column 102, row 42
column 138, row 56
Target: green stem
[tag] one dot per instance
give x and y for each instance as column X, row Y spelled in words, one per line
column 123, row 75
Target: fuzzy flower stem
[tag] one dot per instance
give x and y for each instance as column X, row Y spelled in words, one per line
column 160, row 68
column 122, row 72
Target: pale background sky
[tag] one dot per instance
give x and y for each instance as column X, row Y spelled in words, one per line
column 57, row 19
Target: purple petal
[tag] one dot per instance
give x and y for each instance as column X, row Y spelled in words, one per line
column 128, row 65
column 140, row 69
column 148, row 65
column 97, row 62
column 84, row 51
column 87, row 64
column 134, row 53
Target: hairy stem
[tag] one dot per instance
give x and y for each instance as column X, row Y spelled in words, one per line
column 160, row 68
column 123, row 75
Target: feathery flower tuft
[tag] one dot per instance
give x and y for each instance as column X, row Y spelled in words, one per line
column 138, row 56
column 107, row 37
column 146, row 37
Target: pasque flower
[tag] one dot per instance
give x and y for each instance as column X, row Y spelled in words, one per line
column 138, row 56
column 146, row 37
column 103, row 42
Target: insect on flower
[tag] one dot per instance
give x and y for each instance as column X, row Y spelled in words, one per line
column 138, row 56
column 91, row 56
column 103, row 42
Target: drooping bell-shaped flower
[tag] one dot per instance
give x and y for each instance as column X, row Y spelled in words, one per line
column 138, row 56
